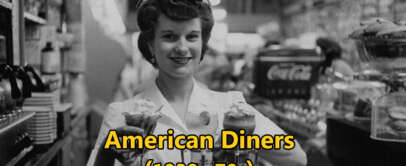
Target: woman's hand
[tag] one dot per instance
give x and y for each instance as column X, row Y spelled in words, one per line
column 128, row 156
column 125, row 156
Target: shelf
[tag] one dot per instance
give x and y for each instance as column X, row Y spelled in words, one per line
column 16, row 122
column 63, row 107
column 34, row 19
column 40, row 159
column 5, row 4
column 46, row 157
column 20, row 156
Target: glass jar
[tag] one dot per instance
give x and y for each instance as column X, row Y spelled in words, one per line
column 389, row 118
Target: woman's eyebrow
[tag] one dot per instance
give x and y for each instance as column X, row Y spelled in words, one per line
column 195, row 31
column 166, row 31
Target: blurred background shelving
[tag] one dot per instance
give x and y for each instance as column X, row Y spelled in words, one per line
column 26, row 26
column 6, row 4
column 34, row 19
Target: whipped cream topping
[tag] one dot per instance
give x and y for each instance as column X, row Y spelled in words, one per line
column 145, row 107
column 240, row 109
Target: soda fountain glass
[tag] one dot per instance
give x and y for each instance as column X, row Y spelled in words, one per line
column 202, row 122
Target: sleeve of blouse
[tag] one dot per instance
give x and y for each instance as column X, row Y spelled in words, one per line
column 109, row 122
column 280, row 157
column 342, row 67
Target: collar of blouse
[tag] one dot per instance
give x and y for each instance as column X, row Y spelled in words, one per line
column 199, row 101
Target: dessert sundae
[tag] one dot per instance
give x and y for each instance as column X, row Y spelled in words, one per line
column 239, row 117
column 143, row 116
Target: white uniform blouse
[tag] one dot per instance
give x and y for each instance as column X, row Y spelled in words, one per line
column 201, row 100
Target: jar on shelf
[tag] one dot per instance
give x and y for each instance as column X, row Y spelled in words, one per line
column 50, row 59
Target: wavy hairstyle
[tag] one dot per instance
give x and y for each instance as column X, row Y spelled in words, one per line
column 331, row 50
column 178, row 10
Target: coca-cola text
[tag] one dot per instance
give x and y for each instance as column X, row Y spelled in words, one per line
column 290, row 71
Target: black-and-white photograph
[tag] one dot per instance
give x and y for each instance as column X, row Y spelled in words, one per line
column 202, row 82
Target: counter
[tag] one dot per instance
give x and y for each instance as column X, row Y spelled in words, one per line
column 349, row 144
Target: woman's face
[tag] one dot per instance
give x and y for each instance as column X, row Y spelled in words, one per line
column 177, row 46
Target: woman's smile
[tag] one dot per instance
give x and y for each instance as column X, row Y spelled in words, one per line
column 181, row 60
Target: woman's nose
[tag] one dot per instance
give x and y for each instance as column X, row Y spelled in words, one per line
column 181, row 48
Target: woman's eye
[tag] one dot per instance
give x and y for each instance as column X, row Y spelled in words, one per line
column 192, row 37
column 169, row 37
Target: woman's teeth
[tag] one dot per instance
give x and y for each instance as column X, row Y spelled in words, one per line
column 181, row 60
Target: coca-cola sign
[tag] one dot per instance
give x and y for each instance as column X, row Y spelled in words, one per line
column 286, row 74
column 290, row 72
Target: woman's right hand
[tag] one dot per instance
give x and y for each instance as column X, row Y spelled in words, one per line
column 126, row 156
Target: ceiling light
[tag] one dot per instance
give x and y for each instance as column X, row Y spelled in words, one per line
column 215, row 2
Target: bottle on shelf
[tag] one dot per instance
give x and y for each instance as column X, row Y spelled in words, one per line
column 50, row 59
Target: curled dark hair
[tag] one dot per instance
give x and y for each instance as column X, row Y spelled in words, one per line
column 331, row 51
column 179, row 10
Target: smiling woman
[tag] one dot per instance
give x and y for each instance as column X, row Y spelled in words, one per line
column 173, row 38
